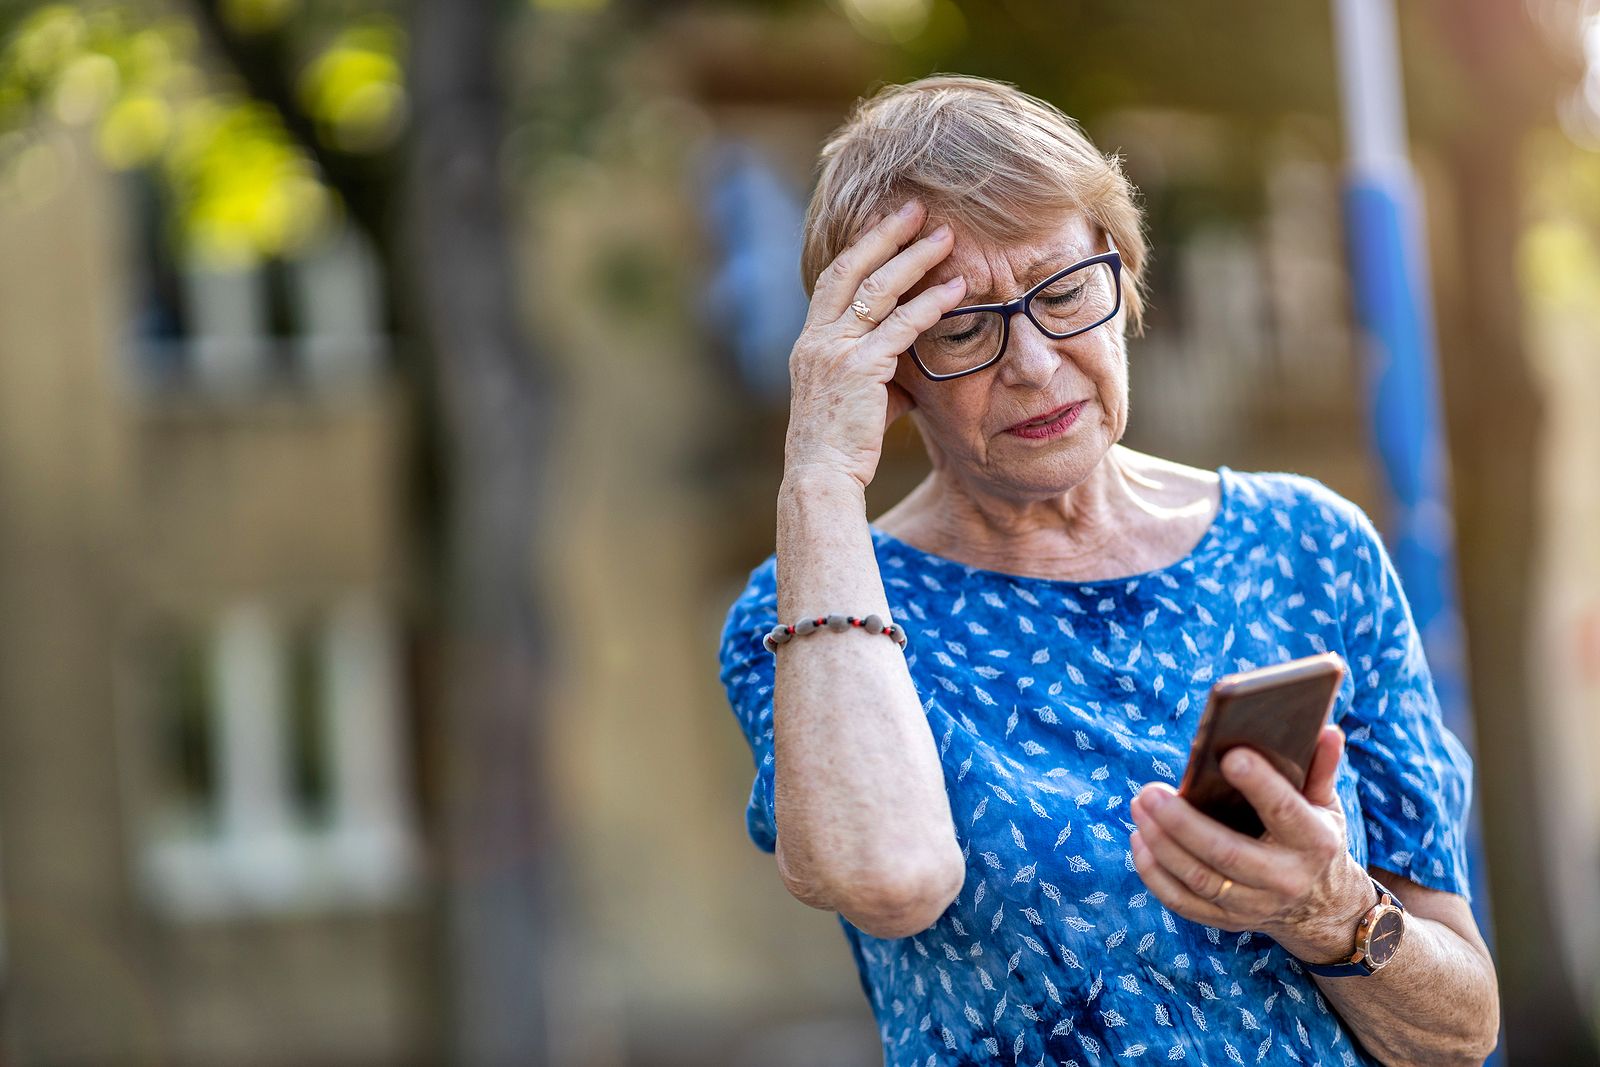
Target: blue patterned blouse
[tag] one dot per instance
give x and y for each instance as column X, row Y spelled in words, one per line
column 1052, row 702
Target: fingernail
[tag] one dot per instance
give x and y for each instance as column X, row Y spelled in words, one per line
column 940, row 234
column 1153, row 798
column 955, row 283
column 1237, row 762
column 907, row 209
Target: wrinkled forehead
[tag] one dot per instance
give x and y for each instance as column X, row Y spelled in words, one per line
column 996, row 269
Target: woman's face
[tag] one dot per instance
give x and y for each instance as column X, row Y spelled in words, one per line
column 964, row 421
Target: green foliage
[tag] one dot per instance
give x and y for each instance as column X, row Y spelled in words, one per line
column 134, row 73
column 77, row 66
column 355, row 89
column 258, row 16
column 245, row 190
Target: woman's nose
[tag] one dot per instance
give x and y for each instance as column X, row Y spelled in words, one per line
column 1030, row 357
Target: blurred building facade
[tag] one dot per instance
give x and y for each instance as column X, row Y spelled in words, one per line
column 206, row 799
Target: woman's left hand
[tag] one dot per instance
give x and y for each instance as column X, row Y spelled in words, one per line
column 1298, row 883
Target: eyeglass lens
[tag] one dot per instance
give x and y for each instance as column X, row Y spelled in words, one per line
column 1076, row 301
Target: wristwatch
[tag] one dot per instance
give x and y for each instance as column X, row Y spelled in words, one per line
column 1377, row 936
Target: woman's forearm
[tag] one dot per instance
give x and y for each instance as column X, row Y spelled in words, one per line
column 864, row 824
column 1435, row 1003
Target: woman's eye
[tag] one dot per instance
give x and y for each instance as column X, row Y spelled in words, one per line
column 1057, row 299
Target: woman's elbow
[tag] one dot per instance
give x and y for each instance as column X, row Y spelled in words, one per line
column 1488, row 1035
column 907, row 903
column 1472, row 1051
column 1468, row 1045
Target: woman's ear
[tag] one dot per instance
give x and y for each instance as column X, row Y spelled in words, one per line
column 900, row 403
column 908, row 379
column 906, row 375
column 935, row 455
column 901, row 398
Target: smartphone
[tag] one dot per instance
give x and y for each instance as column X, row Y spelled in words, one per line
column 1279, row 711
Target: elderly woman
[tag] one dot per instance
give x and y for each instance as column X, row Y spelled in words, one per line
column 973, row 763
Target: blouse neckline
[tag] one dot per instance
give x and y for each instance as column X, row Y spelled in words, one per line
column 1188, row 562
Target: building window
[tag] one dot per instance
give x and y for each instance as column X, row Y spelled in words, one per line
column 310, row 323
column 275, row 779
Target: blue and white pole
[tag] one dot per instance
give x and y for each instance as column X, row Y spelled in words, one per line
column 1389, row 279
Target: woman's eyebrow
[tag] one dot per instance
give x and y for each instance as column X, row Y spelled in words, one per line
column 1038, row 269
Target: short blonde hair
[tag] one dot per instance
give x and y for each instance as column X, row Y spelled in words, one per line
column 979, row 153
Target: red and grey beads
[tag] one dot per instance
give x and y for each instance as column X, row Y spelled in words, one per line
column 873, row 624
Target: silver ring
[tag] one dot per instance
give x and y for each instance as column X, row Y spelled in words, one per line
column 864, row 312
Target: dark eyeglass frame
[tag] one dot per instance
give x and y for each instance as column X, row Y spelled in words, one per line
column 1023, row 305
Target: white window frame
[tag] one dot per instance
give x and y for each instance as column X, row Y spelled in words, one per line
column 260, row 858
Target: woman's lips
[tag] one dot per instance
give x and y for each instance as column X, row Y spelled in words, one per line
column 1044, row 416
column 1062, row 422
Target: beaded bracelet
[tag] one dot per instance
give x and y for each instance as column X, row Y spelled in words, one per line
column 873, row 624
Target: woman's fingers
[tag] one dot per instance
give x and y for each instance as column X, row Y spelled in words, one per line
column 894, row 334
column 1171, row 891
column 883, row 287
column 1324, row 770
column 837, row 284
column 1287, row 814
column 1217, row 847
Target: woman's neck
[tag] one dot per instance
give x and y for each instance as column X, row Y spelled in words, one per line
column 1119, row 520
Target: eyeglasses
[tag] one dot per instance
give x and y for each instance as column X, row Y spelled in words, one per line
column 1071, row 301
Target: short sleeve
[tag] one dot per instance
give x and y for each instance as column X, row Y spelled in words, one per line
column 747, row 675
column 1415, row 778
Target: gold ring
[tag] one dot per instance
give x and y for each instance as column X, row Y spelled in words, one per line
column 1227, row 884
column 863, row 312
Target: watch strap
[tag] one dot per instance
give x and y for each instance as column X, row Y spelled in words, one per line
column 1337, row 970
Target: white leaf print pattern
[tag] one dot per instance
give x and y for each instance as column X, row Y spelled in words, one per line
column 1111, row 678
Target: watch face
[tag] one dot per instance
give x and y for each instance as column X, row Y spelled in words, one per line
column 1385, row 937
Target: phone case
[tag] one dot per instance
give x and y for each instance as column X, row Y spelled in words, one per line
column 1279, row 711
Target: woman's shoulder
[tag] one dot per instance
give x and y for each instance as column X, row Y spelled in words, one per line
column 1173, row 484
column 755, row 605
column 762, row 579
column 1294, row 501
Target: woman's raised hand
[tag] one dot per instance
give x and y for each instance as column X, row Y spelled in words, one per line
column 842, row 397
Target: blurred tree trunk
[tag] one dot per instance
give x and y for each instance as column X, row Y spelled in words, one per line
column 1496, row 413
column 493, row 402
column 480, row 401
